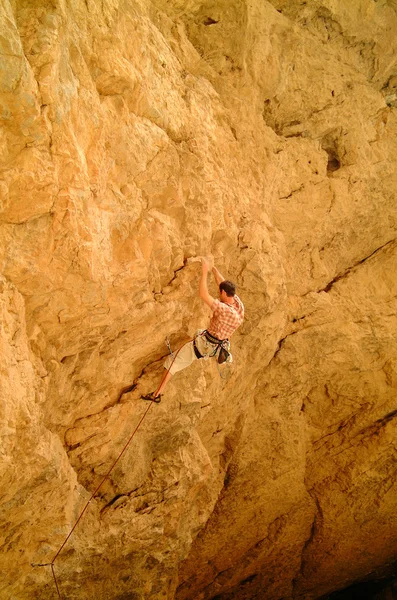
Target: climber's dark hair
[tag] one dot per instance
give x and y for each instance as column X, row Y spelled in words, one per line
column 228, row 287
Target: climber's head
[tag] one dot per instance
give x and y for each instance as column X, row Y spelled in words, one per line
column 227, row 290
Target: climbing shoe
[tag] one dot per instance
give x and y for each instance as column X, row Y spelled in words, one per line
column 151, row 398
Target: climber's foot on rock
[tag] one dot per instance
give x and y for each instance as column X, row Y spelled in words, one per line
column 152, row 398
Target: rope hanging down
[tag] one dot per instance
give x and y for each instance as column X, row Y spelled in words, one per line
column 51, row 564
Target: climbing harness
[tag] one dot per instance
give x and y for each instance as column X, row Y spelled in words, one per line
column 213, row 341
column 211, row 338
column 223, row 346
column 224, row 353
column 51, row 564
column 196, row 350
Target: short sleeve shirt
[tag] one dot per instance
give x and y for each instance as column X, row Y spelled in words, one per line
column 226, row 318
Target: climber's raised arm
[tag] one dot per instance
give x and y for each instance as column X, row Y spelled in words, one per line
column 203, row 287
column 217, row 275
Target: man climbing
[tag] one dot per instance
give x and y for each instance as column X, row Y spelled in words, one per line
column 227, row 315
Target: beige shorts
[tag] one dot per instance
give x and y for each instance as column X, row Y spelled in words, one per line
column 185, row 355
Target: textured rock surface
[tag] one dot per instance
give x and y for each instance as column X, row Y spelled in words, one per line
column 134, row 136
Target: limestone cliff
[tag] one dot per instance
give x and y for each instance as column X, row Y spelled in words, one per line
column 136, row 134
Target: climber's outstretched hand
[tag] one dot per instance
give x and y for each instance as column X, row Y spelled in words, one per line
column 207, row 263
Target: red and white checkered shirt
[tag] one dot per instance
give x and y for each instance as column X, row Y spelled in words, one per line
column 226, row 318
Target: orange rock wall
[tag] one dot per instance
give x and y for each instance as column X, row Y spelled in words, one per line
column 134, row 137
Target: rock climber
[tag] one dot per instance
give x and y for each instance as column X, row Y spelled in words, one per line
column 227, row 315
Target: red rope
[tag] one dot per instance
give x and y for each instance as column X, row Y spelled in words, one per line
column 51, row 564
column 92, row 496
column 55, row 579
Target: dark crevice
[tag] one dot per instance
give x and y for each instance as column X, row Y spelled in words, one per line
column 315, row 527
column 65, row 358
column 296, row 319
column 299, row 189
column 333, row 162
column 365, row 590
column 228, row 479
column 375, row 427
column 112, row 501
column 366, row 433
column 343, row 428
column 126, row 390
column 330, row 143
column 281, row 342
column 209, row 21
column 330, row 285
column 176, row 272
column 222, row 578
column 291, row 135
column 292, row 129
column 381, row 422
column 74, row 446
column 249, row 579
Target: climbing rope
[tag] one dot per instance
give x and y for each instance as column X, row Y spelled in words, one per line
column 51, row 564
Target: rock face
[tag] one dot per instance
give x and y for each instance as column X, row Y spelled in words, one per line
column 135, row 136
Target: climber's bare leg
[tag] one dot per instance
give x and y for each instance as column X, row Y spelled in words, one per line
column 166, row 377
column 156, row 396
